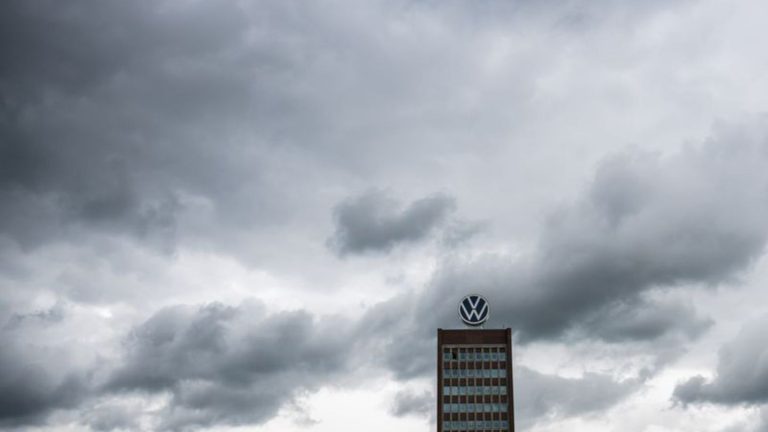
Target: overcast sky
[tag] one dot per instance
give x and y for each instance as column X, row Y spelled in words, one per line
column 254, row 215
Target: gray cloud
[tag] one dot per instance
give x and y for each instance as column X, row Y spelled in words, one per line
column 604, row 267
column 229, row 365
column 111, row 417
column 644, row 320
column 645, row 225
column 741, row 376
column 35, row 379
column 234, row 127
column 407, row 403
column 539, row 397
column 30, row 393
column 373, row 222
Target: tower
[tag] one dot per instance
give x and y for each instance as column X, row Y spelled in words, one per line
column 474, row 375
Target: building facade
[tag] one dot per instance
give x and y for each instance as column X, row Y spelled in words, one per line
column 474, row 376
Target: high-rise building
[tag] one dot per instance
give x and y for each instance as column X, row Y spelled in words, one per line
column 474, row 380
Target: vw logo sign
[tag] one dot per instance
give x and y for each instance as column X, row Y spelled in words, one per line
column 473, row 310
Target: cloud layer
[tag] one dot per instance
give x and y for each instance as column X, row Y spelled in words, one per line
column 741, row 376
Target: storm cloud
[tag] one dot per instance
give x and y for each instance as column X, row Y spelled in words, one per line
column 645, row 225
column 372, row 222
column 36, row 379
column 229, row 365
column 540, row 396
column 216, row 214
column 741, row 376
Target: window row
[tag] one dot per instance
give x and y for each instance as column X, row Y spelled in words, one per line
column 474, row 356
column 478, row 425
column 475, row 373
column 474, row 390
column 474, row 408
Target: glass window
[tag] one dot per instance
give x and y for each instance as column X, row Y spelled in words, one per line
column 505, row 424
column 494, row 373
column 462, row 391
column 503, row 373
column 503, row 390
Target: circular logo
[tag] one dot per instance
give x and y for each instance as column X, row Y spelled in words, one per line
column 473, row 310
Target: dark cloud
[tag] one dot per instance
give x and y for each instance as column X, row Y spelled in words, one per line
column 230, row 365
column 374, row 222
column 408, row 403
column 46, row 317
column 35, row 378
column 644, row 320
column 111, row 417
column 646, row 225
column 606, row 266
column 539, row 397
column 741, row 376
column 90, row 111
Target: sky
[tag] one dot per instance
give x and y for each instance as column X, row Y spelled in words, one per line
column 254, row 215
